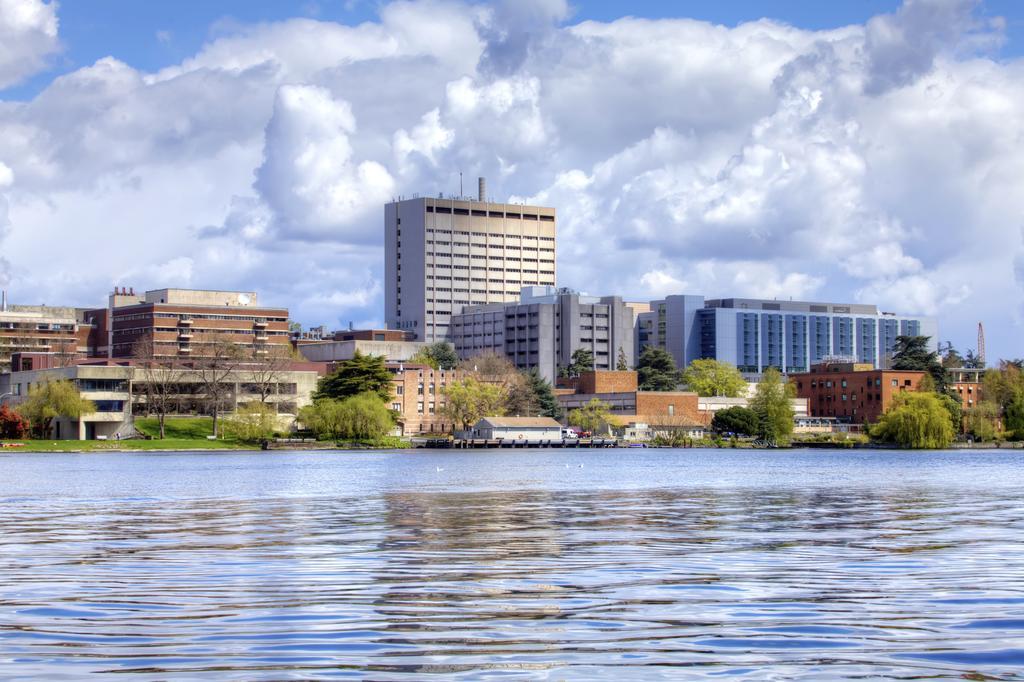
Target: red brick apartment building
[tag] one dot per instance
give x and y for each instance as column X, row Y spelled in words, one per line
column 854, row 393
column 180, row 322
column 967, row 383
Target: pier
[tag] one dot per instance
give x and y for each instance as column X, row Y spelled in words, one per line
column 484, row 443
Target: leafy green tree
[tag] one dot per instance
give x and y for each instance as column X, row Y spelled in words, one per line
column 621, row 363
column 547, row 403
column 582, row 361
column 51, row 400
column 439, row 355
column 594, row 416
column 911, row 353
column 915, row 420
column 739, row 420
column 468, row 400
column 709, row 377
column 360, row 374
column 252, row 422
column 982, row 421
column 358, row 417
column 951, row 358
column 520, row 400
column 771, row 404
column 1013, row 417
column 656, row 370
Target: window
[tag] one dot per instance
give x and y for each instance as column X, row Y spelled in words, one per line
column 397, row 407
column 895, row 382
column 671, row 410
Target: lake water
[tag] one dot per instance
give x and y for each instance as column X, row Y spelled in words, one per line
column 557, row 564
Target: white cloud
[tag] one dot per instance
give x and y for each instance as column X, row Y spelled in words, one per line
column 28, row 38
column 878, row 162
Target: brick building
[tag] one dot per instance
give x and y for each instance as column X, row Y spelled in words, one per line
column 41, row 330
column 664, row 410
column 854, row 393
column 182, row 322
column 967, row 382
column 418, row 396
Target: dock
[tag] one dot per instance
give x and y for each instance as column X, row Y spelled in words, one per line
column 499, row 443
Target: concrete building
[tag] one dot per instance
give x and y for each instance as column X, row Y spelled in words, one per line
column 118, row 387
column 544, row 327
column 444, row 254
column 182, row 322
column 754, row 334
column 853, row 393
column 339, row 351
column 41, row 330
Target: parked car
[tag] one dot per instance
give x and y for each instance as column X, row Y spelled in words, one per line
column 569, row 433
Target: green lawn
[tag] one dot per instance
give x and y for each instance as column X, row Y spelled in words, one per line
column 189, row 428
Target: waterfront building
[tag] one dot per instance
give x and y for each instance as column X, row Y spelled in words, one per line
column 183, row 322
column 119, row 388
column 853, row 393
column 661, row 411
column 444, row 254
column 534, row 429
column 417, row 396
column 544, row 327
column 754, row 334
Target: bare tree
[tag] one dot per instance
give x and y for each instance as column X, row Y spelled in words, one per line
column 65, row 351
column 218, row 359
column 161, row 377
column 265, row 370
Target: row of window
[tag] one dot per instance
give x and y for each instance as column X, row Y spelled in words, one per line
column 489, row 214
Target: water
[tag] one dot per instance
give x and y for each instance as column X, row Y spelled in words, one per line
column 611, row 564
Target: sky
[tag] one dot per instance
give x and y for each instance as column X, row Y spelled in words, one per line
column 866, row 151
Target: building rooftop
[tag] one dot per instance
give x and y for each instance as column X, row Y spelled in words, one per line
column 519, row 422
column 793, row 306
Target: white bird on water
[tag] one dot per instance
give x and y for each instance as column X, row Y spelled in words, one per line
column 439, row 469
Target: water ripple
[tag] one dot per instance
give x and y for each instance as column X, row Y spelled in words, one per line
column 369, row 570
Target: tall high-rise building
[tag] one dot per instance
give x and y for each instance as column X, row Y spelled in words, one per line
column 444, row 254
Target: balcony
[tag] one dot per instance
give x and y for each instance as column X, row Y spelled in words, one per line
column 185, row 321
column 185, row 349
column 260, row 323
column 185, row 334
column 262, row 336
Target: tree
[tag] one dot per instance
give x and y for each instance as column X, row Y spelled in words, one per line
column 656, row 370
column 520, row 400
column 544, row 395
column 439, row 355
column 360, row 374
column 160, row 379
column 911, row 353
column 709, row 377
column 265, row 371
column 12, row 424
column 359, row 417
column 593, row 416
column 915, row 420
column 740, row 420
column 497, row 370
column 51, row 400
column 218, row 361
column 468, row 400
column 621, row 364
column 582, row 361
column 951, row 358
column 982, row 421
column 972, row 361
column 252, row 422
column 1013, row 417
column 771, row 404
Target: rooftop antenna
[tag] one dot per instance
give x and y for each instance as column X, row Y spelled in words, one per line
column 981, row 344
column 460, row 184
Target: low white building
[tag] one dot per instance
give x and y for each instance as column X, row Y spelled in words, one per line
column 517, row 428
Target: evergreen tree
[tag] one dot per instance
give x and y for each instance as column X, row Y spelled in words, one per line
column 911, row 353
column 439, row 355
column 739, row 420
column 361, row 374
column 656, row 370
column 544, row 395
column 621, row 364
column 582, row 361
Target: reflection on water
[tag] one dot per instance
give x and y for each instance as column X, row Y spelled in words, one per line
column 665, row 577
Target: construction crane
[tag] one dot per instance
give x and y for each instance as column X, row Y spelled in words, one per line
column 981, row 344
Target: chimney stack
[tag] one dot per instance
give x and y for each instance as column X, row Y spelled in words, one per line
column 3, row 301
column 482, row 189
